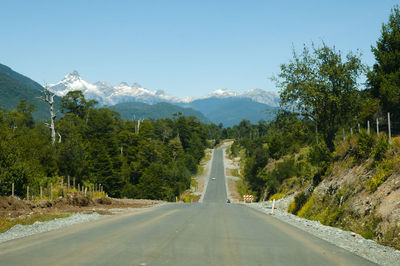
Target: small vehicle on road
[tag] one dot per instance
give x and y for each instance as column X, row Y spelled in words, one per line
column 213, row 178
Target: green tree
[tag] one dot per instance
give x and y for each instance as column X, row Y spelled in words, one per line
column 75, row 102
column 322, row 86
column 384, row 78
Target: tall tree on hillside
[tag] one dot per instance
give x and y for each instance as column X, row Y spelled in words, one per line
column 75, row 102
column 384, row 79
column 322, row 86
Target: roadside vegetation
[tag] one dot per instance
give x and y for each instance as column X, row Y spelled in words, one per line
column 149, row 159
column 7, row 223
column 330, row 146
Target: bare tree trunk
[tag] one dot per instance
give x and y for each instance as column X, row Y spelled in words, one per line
column 48, row 97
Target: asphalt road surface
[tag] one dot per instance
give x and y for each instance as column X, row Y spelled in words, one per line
column 208, row 233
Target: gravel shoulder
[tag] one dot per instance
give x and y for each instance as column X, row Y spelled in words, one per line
column 350, row 241
column 83, row 210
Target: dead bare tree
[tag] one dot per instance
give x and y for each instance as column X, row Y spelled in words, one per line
column 48, row 97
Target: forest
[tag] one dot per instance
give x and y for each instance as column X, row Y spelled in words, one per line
column 151, row 159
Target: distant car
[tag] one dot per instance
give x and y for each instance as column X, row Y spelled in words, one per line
column 228, row 201
column 213, row 178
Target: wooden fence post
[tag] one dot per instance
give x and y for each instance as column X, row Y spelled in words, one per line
column 12, row 190
column 41, row 193
column 344, row 136
column 27, row 192
column 377, row 127
column 68, row 186
column 389, row 128
column 51, row 191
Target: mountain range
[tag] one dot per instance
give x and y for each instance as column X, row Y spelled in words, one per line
column 138, row 110
column 107, row 94
column 221, row 106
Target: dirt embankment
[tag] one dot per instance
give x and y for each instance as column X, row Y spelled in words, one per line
column 74, row 202
column 362, row 196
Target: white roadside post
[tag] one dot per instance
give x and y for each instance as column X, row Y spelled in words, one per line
column 273, row 207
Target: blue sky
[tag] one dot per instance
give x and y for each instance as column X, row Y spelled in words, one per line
column 187, row 48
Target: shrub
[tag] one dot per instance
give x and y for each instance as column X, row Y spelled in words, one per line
column 298, row 203
column 319, row 155
column 381, row 147
column 365, row 145
column 277, row 196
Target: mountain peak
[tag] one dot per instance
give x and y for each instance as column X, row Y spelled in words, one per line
column 222, row 93
column 74, row 73
column 123, row 84
column 105, row 93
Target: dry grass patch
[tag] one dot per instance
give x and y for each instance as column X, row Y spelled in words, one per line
column 7, row 223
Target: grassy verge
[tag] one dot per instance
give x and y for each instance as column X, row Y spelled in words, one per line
column 7, row 223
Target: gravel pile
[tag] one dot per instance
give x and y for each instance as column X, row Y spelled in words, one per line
column 350, row 241
column 19, row 231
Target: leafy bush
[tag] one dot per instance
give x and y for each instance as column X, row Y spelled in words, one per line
column 298, row 202
column 381, row 147
column 385, row 169
column 365, row 145
column 319, row 154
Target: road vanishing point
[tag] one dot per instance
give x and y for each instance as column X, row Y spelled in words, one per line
column 209, row 233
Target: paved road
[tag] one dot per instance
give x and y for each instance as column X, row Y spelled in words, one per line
column 209, row 233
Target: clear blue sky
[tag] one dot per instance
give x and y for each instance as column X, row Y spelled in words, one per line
column 187, row 48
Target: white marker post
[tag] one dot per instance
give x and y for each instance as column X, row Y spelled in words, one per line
column 273, row 207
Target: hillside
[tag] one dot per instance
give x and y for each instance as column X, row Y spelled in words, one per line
column 356, row 188
column 156, row 111
column 14, row 87
column 230, row 111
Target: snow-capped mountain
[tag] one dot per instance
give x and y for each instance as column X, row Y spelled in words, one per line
column 261, row 96
column 221, row 93
column 107, row 94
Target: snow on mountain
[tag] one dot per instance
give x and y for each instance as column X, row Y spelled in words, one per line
column 261, row 96
column 107, row 94
column 72, row 82
column 221, row 93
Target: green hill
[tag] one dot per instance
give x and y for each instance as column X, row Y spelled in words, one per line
column 14, row 87
column 155, row 111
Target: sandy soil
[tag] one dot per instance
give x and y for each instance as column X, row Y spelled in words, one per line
column 228, row 172
column 234, row 194
column 200, row 184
